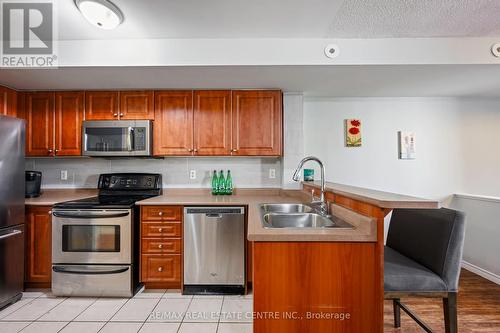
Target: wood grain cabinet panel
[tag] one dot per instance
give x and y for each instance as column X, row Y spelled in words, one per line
column 38, row 246
column 8, row 102
column 161, row 213
column 39, row 116
column 257, row 123
column 101, row 105
column 137, row 105
column 68, row 123
column 173, row 127
column 212, row 122
column 161, row 245
column 161, row 229
column 161, row 268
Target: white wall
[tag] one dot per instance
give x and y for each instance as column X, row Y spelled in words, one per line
column 437, row 171
column 84, row 172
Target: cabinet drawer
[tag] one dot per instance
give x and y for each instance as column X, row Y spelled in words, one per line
column 161, row 268
column 161, row 229
column 159, row 245
column 161, row 213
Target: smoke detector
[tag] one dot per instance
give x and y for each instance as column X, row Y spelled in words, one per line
column 332, row 51
column 495, row 49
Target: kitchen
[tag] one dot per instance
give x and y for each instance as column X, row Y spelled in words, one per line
column 125, row 227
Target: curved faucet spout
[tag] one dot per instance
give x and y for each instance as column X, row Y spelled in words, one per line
column 296, row 177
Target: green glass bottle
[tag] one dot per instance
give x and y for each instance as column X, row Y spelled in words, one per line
column 215, row 183
column 221, row 183
column 229, row 183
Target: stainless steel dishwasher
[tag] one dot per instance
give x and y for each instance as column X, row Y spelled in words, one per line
column 214, row 250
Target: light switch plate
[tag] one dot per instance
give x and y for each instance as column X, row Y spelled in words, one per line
column 272, row 173
column 192, row 174
column 64, row 174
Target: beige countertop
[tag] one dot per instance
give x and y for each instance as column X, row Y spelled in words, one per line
column 378, row 198
column 364, row 228
column 50, row 197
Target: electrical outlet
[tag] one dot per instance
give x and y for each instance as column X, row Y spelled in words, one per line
column 192, row 174
column 272, row 173
column 64, row 174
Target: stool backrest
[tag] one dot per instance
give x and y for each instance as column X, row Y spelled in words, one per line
column 432, row 237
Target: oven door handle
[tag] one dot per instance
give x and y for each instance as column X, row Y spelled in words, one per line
column 89, row 271
column 89, row 216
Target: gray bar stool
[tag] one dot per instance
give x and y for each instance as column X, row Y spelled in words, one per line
column 422, row 258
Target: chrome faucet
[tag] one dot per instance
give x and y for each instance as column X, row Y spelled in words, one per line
column 323, row 207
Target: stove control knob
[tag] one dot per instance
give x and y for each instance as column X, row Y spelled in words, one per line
column 160, row 246
column 160, row 269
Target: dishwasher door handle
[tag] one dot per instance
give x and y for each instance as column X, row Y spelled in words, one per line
column 213, row 215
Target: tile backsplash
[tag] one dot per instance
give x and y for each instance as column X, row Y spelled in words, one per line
column 247, row 172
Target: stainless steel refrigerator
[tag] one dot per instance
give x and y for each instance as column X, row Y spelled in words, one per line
column 11, row 209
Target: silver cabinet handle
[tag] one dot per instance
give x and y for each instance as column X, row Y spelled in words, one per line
column 160, row 269
column 160, row 246
column 121, row 114
column 160, row 213
column 190, row 150
column 160, row 229
column 234, row 150
column 195, row 150
column 11, row 234
column 115, row 114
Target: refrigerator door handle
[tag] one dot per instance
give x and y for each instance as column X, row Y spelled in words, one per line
column 11, row 234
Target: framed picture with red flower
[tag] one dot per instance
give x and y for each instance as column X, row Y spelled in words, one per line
column 353, row 133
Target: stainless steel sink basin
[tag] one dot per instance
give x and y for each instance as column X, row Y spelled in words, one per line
column 297, row 216
column 285, row 208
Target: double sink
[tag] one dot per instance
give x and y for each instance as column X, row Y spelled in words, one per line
column 285, row 215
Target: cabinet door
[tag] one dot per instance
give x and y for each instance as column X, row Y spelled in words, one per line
column 161, row 268
column 38, row 244
column 212, row 123
column 101, row 105
column 257, row 123
column 68, row 123
column 173, row 127
column 39, row 115
column 137, row 105
column 8, row 102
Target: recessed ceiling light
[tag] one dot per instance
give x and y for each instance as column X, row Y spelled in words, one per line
column 101, row 13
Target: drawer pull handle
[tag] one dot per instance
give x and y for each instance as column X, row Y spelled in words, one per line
column 160, row 213
column 160, row 246
column 160, row 229
column 160, row 269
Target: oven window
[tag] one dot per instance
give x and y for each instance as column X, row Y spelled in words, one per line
column 91, row 238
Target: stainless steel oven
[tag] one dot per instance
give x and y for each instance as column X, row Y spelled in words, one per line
column 117, row 138
column 92, row 236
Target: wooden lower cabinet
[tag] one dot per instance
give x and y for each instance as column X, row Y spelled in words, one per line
column 38, row 265
column 316, row 287
column 161, row 246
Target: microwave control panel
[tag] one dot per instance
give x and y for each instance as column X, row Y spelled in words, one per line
column 140, row 138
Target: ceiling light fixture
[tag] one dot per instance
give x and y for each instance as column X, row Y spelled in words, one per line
column 101, row 13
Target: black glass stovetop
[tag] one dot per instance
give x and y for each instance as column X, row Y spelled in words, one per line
column 103, row 202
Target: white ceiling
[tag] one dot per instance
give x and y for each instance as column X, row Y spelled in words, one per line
column 335, row 81
column 290, row 19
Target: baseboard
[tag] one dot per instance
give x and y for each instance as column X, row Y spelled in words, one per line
column 481, row 272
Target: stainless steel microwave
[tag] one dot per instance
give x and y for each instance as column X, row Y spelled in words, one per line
column 117, row 138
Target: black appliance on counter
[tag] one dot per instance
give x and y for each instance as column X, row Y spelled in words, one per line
column 95, row 241
column 11, row 210
column 32, row 184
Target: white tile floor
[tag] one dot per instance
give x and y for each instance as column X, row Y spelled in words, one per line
column 151, row 311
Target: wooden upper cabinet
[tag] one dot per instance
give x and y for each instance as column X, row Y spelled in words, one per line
column 38, row 246
column 68, row 123
column 39, row 115
column 137, row 105
column 102, row 105
column 8, row 102
column 173, row 126
column 257, row 123
column 212, row 122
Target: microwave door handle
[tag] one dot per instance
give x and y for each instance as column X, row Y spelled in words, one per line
column 130, row 139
